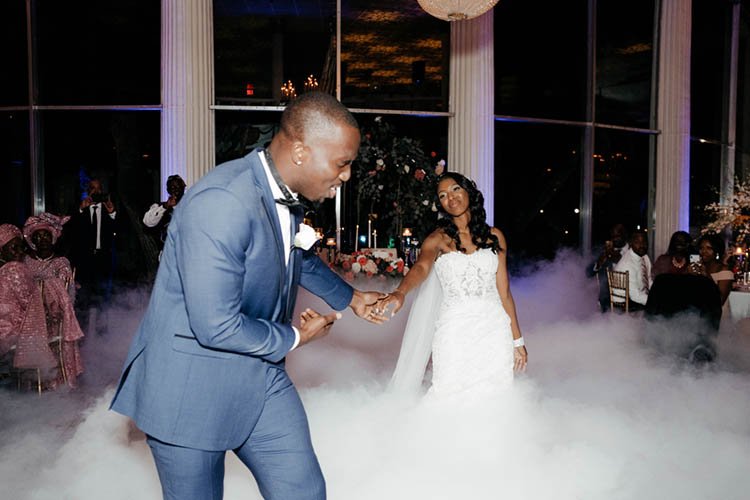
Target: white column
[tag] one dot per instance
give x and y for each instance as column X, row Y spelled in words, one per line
column 471, row 131
column 672, row 203
column 187, row 88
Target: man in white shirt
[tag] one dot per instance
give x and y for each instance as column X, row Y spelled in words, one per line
column 635, row 260
column 614, row 248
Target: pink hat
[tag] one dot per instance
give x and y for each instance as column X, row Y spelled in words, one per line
column 7, row 233
column 45, row 220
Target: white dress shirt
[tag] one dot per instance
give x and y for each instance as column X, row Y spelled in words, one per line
column 635, row 265
column 95, row 210
column 285, row 221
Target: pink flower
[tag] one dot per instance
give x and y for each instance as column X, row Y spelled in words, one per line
column 346, row 265
column 419, row 174
column 389, row 269
column 369, row 275
column 362, row 261
column 395, row 204
column 371, row 172
column 433, row 154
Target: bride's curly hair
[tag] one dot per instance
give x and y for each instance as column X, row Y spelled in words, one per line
column 481, row 235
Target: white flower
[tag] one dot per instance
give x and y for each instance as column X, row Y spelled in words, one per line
column 441, row 163
column 434, row 208
column 406, row 168
column 379, row 162
column 356, row 267
column 426, row 202
column 378, row 118
column 380, row 186
column 305, row 237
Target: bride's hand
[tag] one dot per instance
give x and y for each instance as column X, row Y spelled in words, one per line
column 396, row 298
column 520, row 359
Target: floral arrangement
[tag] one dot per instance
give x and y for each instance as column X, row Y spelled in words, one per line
column 735, row 214
column 396, row 182
column 369, row 263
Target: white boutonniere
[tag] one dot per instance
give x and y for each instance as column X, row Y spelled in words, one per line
column 305, row 237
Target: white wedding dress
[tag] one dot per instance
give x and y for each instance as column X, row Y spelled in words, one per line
column 463, row 324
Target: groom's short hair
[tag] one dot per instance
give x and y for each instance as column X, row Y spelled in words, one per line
column 313, row 114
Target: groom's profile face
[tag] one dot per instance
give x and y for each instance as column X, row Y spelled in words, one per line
column 327, row 164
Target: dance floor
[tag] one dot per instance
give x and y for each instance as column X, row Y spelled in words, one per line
column 600, row 414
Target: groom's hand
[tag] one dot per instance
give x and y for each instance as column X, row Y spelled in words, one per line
column 365, row 305
column 314, row 326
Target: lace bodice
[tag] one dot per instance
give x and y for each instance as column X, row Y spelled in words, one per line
column 467, row 276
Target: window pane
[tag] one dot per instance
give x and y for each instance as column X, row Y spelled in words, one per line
column 537, row 189
column 15, row 190
column 93, row 52
column 624, row 58
column 540, row 58
column 122, row 150
column 705, row 171
column 14, row 87
column 259, row 46
column 707, row 68
column 743, row 98
column 393, row 56
column 621, row 161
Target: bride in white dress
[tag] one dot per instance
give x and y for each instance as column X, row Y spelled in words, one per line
column 464, row 314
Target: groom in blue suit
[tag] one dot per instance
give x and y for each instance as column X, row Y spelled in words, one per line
column 205, row 373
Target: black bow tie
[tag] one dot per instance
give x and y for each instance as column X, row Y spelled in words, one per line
column 288, row 200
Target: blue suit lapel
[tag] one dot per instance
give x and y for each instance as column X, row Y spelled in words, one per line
column 269, row 207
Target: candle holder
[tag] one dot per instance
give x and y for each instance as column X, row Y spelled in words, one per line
column 331, row 244
column 406, row 243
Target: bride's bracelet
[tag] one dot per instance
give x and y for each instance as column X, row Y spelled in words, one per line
column 518, row 342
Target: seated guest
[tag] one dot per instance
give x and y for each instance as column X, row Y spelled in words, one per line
column 159, row 215
column 675, row 261
column 613, row 250
column 635, row 260
column 22, row 317
column 711, row 250
column 41, row 233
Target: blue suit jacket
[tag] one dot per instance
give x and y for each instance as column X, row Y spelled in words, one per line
column 219, row 313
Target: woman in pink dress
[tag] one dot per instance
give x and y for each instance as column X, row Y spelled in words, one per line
column 23, row 329
column 41, row 233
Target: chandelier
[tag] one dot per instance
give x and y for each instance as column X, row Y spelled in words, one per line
column 456, row 10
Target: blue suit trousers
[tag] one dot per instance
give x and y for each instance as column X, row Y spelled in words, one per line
column 281, row 459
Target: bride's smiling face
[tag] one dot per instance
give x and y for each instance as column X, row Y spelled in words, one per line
column 453, row 198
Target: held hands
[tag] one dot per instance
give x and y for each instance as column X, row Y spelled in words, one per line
column 171, row 202
column 314, row 326
column 520, row 359
column 366, row 305
column 395, row 298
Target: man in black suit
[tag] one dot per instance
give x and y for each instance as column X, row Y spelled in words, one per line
column 93, row 247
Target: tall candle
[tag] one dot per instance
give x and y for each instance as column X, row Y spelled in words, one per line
column 369, row 233
column 375, row 238
column 356, row 238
